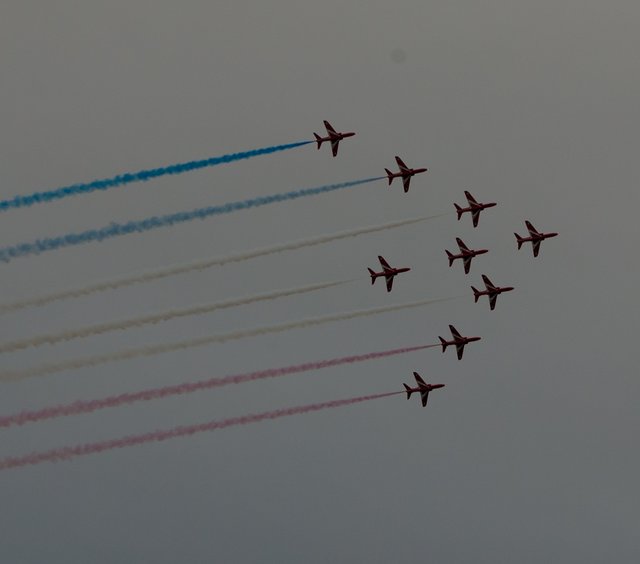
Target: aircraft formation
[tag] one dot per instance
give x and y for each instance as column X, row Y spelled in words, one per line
column 422, row 388
column 465, row 254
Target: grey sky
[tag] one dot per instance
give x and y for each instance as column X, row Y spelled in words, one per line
column 530, row 452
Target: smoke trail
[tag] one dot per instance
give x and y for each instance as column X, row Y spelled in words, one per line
column 66, row 453
column 141, row 176
column 203, row 265
column 79, row 407
column 53, row 338
column 156, row 222
column 202, row 341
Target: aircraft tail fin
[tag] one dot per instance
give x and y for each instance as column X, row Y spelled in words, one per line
column 451, row 257
column 444, row 344
column 476, row 294
column 319, row 139
column 408, row 390
column 373, row 275
column 459, row 210
column 389, row 175
column 519, row 239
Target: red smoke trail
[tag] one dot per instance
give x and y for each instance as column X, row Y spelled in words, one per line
column 66, row 453
column 79, row 407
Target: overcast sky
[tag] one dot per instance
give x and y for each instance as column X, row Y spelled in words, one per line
column 530, row 452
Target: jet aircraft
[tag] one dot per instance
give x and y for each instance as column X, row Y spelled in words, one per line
column 405, row 173
column 491, row 290
column 421, row 387
column 458, row 340
column 387, row 271
column 535, row 237
column 466, row 254
column 333, row 136
column 474, row 207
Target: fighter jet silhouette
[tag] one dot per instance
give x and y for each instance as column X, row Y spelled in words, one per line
column 491, row 290
column 333, row 136
column 474, row 207
column 405, row 173
column 388, row 272
column 535, row 237
column 466, row 254
column 458, row 340
column 421, row 387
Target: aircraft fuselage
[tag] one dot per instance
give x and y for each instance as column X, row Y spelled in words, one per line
column 460, row 341
column 425, row 388
column 498, row 290
column 464, row 340
column 470, row 253
column 494, row 291
column 540, row 237
column 391, row 272
column 477, row 207
column 407, row 173
column 336, row 136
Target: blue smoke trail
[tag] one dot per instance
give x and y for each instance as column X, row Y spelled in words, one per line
column 140, row 226
column 141, row 176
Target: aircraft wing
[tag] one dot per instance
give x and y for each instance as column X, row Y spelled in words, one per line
column 460, row 350
column 406, row 180
column 467, row 264
column 454, row 331
column 389, row 280
column 424, row 396
column 470, row 198
column 476, row 216
column 328, row 127
column 334, row 147
column 492, row 301
column 531, row 228
column 400, row 163
column 461, row 244
column 536, row 247
column 419, row 379
column 487, row 282
column 383, row 262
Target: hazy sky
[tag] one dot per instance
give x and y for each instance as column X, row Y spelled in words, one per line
column 529, row 454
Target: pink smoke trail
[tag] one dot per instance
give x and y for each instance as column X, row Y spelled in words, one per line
column 66, row 453
column 78, row 407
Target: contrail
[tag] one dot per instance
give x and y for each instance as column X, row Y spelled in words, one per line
column 140, row 176
column 202, row 341
column 203, row 265
column 80, row 407
column 53, row 338
column 140, row 226
column 67, row 453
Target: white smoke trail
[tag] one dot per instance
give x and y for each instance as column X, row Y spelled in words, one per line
column 90, row 361
column 53, row 338
column 202, row 265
